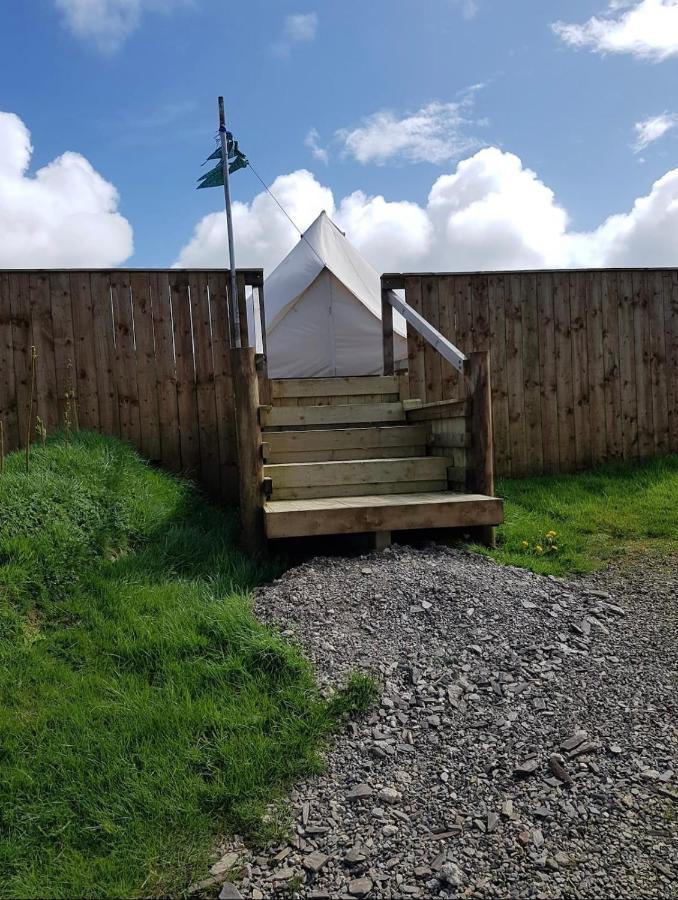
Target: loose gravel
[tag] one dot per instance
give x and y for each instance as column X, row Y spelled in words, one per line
column 525, row 739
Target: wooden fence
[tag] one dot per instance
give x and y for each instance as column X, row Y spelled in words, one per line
column 145, row 354
column 584, row 364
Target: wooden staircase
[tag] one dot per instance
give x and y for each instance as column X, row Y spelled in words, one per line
column 345, row 455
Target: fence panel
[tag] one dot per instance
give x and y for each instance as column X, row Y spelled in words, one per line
column 584, row 363
column 142, row 355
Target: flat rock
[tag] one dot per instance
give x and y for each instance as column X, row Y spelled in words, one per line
column 229, row 892
column 360, row 887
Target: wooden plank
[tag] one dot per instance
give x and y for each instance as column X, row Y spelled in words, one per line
column 204, row 376
column 432, row 360
column 147, row 387
column 611, row 365
column 627, row 366
column 223, row 386
column 353, row 386
column 641, row 334
column 380, row 513
column 84, row 351
column 42, row 333
column 451, row 378
column 63, row 342
column 548, row 379
column 387, row 333
column 580, row 379
column 346, row 438
column 670, row 289
column 165, row 373
column 21, row 350
column 315, row 491
column 567, row 449
column 531, row 374
column 596, row 367
column 513, row 306
column 104, row 344
column 500, row 410
column 441, row 409
column 186, row 392
column 271, row 456
column 325, row 415
column 124, row 361
column 8, row 393
column 242, row 308
column 248, row 435
column 660, row 400
column 363, row 471
column 415, row 342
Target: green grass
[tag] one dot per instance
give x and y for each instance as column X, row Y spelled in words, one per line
column 597, row 515
column 144, row 709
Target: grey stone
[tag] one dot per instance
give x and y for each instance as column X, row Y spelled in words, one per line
column 229, row 892
column 360, row 887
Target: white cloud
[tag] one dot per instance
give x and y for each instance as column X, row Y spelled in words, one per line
column 650, row 130
column 312, row 141
column 434, row 134
column 64, row 216
column 108, row 23
column 647, row 29
column 299, row 28
column 490, row 213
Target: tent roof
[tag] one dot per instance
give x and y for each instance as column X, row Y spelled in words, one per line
column 322, row 246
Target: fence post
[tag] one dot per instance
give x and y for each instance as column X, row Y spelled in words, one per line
column 480, row 470
column 248, row 432
column 387, row 332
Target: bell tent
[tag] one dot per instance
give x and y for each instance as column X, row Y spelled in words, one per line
column 323, row 310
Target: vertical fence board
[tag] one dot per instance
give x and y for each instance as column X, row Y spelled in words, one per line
column 660, row 403
column 104, row 341
column 671, row 325
column 64, row 350
column 84, row 351
column 42, row 335
column 498, row 375
column 8, row 394
column 548, row 386
column 594, row 348
column 562, row 323
column 21, row 340
column 580, row 378
column 415, row 342
column 186, row 394
column 514, row 372
column 432, row 368
column 643, row 368
column 165, row 373
column 448, row 374
column 627, row 366
column 611, row 365
column 531, row 373
column 147, row 392
column 204, row 378
column 124, row 368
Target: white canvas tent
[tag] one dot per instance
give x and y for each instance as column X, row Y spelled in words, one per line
column 323, row 310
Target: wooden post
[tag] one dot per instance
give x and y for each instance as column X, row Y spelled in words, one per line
column 248, row 436
column 480, row 466
column 387, row 332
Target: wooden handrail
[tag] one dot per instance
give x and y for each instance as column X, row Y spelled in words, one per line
column 438, row 341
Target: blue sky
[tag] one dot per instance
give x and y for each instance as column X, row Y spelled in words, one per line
column 137, row 100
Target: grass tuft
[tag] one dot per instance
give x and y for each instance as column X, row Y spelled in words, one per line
column 573, row 524
column 144, row 707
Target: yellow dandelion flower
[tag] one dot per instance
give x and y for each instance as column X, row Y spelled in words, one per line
column 539, row 548
column 551, row 534
column 525, row 544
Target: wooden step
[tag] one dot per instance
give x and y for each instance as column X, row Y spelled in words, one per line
column 379, row 512
column 363, row 476
column 312, row 416
column 355, row 387
column 347, row 443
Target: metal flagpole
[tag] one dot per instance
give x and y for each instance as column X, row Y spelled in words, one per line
column 235, row 311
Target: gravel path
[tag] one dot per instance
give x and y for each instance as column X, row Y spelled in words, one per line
column 525, row 745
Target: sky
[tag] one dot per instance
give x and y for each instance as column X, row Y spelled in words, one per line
column 442, row 135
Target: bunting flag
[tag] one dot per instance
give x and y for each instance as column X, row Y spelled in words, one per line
column 237, row 160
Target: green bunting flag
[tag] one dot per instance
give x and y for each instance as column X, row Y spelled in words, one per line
column 237, row 160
